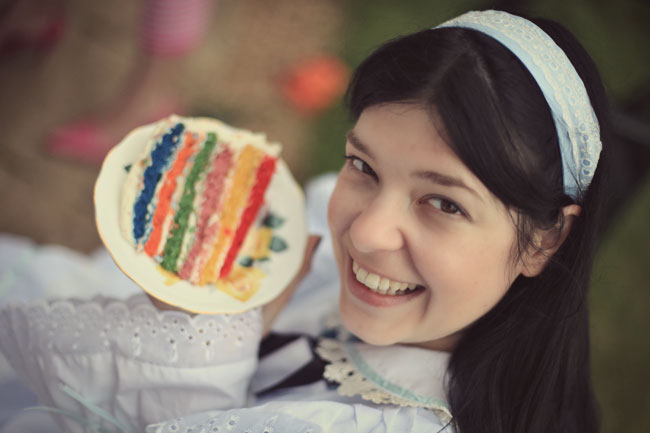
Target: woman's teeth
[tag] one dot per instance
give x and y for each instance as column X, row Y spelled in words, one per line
column 381, row 285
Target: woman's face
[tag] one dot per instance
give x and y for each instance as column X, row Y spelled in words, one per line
column 423, row 248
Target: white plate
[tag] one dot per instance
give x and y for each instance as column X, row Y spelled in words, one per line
column 284, row 197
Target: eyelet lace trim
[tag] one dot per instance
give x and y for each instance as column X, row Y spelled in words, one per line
column 567, row 95
column 352, row 382
column 134, row 328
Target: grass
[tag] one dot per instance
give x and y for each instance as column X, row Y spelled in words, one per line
column 620, row 297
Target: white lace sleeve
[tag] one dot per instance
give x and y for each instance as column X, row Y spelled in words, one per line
column 127, row 358
column 308, row 417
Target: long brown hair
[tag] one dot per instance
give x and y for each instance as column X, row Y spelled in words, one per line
column 523, row 366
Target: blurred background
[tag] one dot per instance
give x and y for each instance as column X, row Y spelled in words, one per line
column 76, row 75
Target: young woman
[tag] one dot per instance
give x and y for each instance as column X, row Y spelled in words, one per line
column 463, row 225
column 489, row 222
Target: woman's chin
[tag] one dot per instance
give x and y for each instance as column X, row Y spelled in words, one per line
column 374, row 341
column 367, row 334
column 372, row 338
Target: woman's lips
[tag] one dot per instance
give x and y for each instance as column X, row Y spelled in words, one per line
column 363, row 293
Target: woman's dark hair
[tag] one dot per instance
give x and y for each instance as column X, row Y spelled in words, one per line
column 524, row 366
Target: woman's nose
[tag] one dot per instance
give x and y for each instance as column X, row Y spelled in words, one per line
column 378, row 226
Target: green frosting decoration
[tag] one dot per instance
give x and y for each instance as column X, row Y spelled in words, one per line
column 272, row 221
column 246, row 262
column 278, row 244
column 185, row 206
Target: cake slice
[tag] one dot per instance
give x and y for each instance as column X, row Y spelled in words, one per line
column 192, row 197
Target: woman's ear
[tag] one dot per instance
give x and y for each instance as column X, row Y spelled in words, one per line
column 547, row 242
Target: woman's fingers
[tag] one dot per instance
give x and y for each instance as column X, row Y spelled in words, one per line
column 271, row 310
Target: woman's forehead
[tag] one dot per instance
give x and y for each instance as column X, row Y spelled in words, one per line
column 407, row 135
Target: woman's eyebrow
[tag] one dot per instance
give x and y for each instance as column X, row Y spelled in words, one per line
column 445, row 180
column 431, row 176
column 358, row 144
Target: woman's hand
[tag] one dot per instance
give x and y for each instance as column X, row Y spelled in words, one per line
column 271, row 310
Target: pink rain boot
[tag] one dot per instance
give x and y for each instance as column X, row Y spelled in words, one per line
column 170, row 29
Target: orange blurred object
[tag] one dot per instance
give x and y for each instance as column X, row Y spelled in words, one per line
column 313, row 84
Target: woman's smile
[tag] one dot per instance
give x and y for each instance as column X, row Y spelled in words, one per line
column 379, row 291
column 382, row 285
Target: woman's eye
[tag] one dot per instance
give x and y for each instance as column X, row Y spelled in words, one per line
column 360, row 165
column 445, row 206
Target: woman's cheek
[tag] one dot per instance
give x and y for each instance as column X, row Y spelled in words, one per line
column 344, row 202
column 334, row 209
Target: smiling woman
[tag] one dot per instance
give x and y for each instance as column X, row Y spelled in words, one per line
column 470, row 174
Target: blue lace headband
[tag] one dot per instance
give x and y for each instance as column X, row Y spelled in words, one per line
column 575, row 121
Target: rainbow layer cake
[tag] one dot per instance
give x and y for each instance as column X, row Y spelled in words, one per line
column 194, row 202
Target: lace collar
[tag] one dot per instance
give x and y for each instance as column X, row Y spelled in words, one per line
column 385, row 374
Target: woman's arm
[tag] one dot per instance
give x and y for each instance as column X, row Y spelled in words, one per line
column 312, row 417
